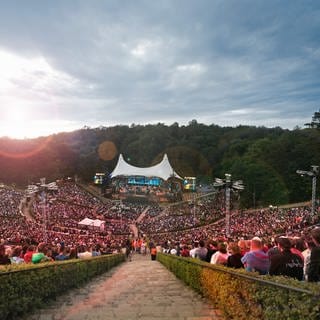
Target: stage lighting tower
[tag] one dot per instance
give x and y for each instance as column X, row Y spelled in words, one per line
column 313, row 173
column 229, row 185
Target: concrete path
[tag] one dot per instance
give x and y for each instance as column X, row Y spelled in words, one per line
column 138, row 289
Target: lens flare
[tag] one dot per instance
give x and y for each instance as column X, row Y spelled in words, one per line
column 22, row 150
column 107, row 150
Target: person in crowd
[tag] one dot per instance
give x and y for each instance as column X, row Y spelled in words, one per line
column 50, row 253
column 244, row 246
column 41, row 254
column 4, row 258
column 62, row 255
column 166, row 248
column 153, row 252
column 298, row 246
column 221, row 256
column 73, row 253
column 84, row 252
column 28, row 255
column 143, row 247
column 286, row 263
column 158, row 247
column 128, row 249
column 212, row 248
column 309, row 244
column 24, row 249
column 16, row 255
column 274, row 249
column 175, row 249
column 9, row 251
column 54, row 250
column 313, row 272
column 256, row 259
column 178, row 248
column 185, row 252
column 96, row 250
column 234, row 258
column 201, row 252
column 194, row 249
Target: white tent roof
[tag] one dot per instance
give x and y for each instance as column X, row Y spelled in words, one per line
column 162, row 170
column 91, row 222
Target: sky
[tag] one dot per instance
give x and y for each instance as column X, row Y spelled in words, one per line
column 65, row 65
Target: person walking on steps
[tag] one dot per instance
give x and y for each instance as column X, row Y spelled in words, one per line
column 153, row 251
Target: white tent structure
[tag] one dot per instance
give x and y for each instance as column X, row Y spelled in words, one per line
column 92, row 223
column 162, row 170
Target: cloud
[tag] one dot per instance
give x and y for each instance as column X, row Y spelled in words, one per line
column 220, row 62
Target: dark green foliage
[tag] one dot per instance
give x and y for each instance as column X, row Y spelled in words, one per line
column 25, row 288
column 266, row 159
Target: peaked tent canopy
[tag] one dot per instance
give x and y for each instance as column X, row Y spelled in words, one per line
column 162, row 170
column 94, row 223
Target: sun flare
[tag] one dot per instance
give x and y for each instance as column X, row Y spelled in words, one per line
column 16, row 123
column 30, row 90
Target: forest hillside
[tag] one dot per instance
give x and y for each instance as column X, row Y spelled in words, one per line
column 266, row 159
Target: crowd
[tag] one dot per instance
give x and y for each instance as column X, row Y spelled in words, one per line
column 50, row 229
column 10, row 202
column 262, row 222
column 44, row 252
column 292, row 257
column 55, row 218
column 185, row 215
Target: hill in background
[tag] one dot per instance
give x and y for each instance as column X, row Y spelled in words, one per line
column 266, row 159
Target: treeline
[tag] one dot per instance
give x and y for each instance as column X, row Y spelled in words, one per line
column 265, row 159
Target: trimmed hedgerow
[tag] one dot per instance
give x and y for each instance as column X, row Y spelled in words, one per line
column 24, row 288
column 247, row 296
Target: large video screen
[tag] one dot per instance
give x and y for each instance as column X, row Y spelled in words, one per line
column 144, row 181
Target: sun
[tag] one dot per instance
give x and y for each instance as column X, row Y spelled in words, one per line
column 29, row 89
column 17, row 123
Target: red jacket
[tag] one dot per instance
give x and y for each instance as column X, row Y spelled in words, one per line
column 28, row 256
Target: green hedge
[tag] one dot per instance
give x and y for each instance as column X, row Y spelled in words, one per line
column 24, row 288
column 248, row 296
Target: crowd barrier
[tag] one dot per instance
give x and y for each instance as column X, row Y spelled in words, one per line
column 239, row 294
